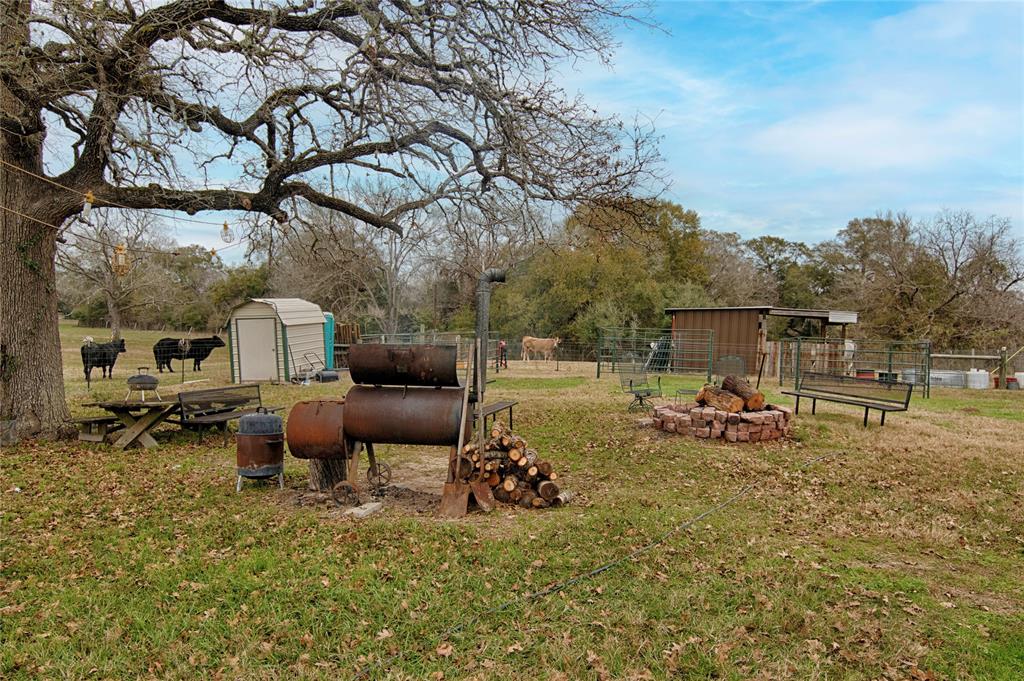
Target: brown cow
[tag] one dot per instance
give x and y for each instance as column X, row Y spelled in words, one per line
column 544, row 346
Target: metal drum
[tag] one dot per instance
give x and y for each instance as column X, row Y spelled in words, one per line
column 419, row 365
column 259, row 448
column 415, row 416
column 316, row 429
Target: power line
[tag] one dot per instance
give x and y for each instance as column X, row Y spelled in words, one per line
column 87, row 195
column 134, row 249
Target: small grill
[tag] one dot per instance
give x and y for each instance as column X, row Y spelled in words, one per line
column 259, row 448
column 142, row 382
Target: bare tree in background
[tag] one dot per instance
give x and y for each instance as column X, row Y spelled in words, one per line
column 88, row 257
column 139, row 103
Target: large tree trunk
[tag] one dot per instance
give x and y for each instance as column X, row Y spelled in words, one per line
column 113, row 314
column 31, row 375
column 324, row 474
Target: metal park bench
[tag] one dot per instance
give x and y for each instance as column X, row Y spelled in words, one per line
column 634, row 382
column 882, row 396
column 211, row 407
column 492, row 410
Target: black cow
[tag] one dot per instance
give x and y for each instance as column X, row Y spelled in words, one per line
column 199, row 349
column 102, row 355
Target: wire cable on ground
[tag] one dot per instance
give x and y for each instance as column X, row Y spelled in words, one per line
column 560, row 586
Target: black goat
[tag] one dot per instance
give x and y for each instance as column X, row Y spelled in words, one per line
column 102, row 355
column 167, row 349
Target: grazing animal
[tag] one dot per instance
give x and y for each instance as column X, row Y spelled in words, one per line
column 544, row 346
column 167, row 349
column 102, row 355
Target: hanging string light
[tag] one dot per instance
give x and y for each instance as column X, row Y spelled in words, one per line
column 120, row 263
column 87, row 206
column 226, row 234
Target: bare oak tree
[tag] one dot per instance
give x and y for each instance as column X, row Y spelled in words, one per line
column 138, row 104
column 87, row 256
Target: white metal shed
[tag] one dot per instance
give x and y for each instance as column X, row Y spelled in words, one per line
column 273, row 339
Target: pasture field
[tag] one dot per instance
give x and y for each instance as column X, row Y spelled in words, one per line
column 893, row 552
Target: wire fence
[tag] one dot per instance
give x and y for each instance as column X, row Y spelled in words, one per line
column 905, row 361
column 659, row 351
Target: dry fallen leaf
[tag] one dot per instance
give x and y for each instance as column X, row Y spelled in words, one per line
column 383, row 634
column 445, row 649
column 514, row 648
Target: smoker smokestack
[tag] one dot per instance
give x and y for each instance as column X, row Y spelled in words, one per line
column 483, row 319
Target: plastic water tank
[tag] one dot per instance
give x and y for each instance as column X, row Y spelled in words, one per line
column 1020, row 378
column 947, row 379
column 978, row 379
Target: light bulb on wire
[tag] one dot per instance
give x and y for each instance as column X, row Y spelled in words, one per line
column 226, row 234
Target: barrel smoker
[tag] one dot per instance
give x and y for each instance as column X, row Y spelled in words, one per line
column 406, row 395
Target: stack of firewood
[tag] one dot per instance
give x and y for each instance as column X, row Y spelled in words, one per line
column 514, row 471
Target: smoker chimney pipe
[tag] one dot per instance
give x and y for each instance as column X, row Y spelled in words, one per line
column 483, row 318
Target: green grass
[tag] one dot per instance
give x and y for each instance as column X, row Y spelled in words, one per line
column 901, row 551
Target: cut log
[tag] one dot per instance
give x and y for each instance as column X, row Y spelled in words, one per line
column 531, row 472
column 493, row 480
column 519, row 443
column 528, row 459
column 563, row 498
column 497, row 430
column 501, row 495
column 540, row 503
column 470, row 448
column 515, row 454
column 545, row 467
column 515, row 495
column 553, row 475
column 510, row 483
column 547, row 489
column 720, row 399
column 526, row 500
column 506, row 440
column 753, row 399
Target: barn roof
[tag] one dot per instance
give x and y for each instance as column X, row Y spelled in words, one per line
column 830, row 316
column 294, row 311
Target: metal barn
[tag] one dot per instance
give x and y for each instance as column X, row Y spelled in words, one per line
column 274, row 339
column 741, row 332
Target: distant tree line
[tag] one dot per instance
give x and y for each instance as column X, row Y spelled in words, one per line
column 954, row 278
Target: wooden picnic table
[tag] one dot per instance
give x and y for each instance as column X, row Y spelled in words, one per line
column 139, row 418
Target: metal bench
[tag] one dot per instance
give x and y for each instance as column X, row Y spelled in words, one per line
column 491, row 410
column 634, row 382
column 882, row 396
column 212, row 407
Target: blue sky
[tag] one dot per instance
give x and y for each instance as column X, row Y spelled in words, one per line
column 792, row 118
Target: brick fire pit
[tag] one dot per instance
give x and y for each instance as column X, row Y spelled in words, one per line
column 696, row 420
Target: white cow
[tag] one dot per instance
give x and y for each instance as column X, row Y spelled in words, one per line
column 544, row 346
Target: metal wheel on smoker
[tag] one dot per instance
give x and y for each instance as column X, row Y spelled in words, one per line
column 345, row 494
column 378, row 475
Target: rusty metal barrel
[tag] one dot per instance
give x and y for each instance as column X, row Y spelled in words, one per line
column 316, row 429
column 413, row 365
column 260, row 446
column 420, row 416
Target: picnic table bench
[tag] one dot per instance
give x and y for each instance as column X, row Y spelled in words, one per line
column 869, row 393
column 634, row 382
column 96, row 428
column 212, row 407
column 137, row 418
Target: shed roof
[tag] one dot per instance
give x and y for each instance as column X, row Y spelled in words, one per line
column 294, row 311
column 831, row 316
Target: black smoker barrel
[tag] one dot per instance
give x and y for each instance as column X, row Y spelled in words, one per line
column 427, row 365
column 403, row 416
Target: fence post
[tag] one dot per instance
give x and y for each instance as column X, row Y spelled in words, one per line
column 599, row 352
column 796, row 370
column 928, row 370
column 711, row 352
column 1002, row 368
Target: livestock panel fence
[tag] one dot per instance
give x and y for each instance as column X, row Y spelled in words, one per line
column 885, row 360
column 656, row 351
column 462, row 340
